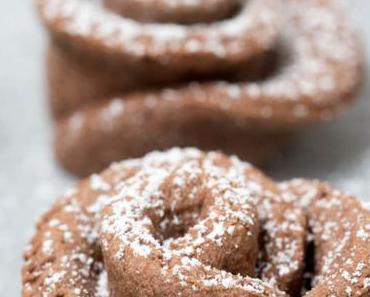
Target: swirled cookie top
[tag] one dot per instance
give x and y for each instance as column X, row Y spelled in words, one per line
column 127, row 223
column 63, row 254
column 318, row 79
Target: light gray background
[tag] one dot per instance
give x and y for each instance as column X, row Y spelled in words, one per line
column 30, row 180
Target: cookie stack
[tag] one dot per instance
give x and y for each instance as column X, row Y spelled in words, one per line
column 128, row 77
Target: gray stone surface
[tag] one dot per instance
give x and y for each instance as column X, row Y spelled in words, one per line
column 30, row 180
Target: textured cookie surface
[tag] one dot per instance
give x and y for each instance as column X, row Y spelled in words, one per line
column 128, row 77
column 189, row 223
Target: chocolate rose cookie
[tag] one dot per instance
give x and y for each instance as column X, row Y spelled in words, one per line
column 127, row 77
column 194, row 224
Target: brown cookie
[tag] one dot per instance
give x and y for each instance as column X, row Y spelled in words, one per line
column 267, row 69
column 189, row 223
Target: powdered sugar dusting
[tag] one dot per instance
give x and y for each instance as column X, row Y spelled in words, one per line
column 257, row 21
column 102, row 286
column 134, row 200
column 125, row 217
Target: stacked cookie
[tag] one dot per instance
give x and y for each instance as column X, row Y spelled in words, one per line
column 130, row 76
column 127, row 77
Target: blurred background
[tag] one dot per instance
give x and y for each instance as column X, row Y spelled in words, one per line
column 30, row 180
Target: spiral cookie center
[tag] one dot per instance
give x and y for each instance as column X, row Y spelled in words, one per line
column 183, row 222
column 175, row 11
